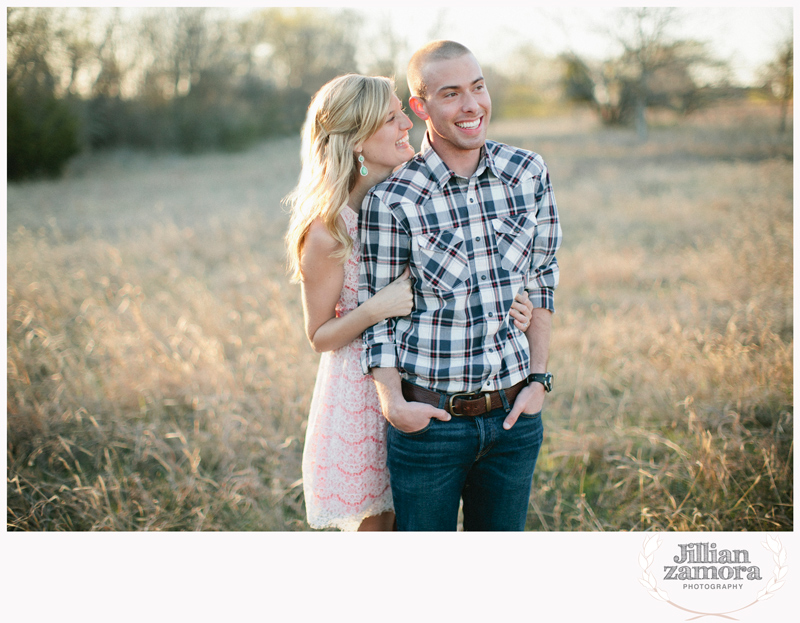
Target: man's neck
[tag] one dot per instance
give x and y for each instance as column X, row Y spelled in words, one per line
column 462, row 162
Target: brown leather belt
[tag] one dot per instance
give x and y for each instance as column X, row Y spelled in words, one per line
column 464, row 403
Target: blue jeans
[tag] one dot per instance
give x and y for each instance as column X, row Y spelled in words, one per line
column 471, row 457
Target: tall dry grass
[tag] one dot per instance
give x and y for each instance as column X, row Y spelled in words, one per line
column 673, row 339
column 159, row 378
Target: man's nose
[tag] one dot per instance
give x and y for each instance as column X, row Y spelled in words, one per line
column 469, row 103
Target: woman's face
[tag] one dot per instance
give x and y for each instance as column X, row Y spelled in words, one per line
column 389, row 147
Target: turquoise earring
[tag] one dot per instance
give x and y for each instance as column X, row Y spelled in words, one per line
column 363, row 169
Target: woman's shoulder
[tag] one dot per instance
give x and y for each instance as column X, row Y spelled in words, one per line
column 319, row 234
column 319, row 243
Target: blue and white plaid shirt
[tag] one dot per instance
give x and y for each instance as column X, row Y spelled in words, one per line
column 472, row 244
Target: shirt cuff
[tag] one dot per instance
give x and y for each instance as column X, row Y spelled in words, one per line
column 378, row 356
column 542, row 298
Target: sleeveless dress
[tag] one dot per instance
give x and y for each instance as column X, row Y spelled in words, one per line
column 345, row 478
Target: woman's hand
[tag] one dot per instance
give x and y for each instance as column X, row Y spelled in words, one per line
column 394, row 300
column 522, row 311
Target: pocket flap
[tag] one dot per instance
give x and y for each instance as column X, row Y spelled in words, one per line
column 513, row 225
column 441, row 240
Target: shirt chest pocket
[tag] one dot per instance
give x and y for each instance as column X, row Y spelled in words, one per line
column 514, row 235
column 441, row 259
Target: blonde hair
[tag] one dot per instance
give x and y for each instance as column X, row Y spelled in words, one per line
column 344, row 112
column 434, row 51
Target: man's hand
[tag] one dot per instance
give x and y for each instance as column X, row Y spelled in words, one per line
column 410, row 417
column 405, row 416
column 530, row 400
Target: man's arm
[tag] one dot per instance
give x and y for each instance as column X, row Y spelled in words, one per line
column 405, row 416
column 544, row 273
column 531, row 399
column 384, row 256
column 385, row 253
column 542, row 281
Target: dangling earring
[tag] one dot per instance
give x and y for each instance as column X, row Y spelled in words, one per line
column 363, row 169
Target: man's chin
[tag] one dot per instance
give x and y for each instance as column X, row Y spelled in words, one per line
column 471, row 144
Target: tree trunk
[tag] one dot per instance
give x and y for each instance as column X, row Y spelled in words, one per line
column 640, row 121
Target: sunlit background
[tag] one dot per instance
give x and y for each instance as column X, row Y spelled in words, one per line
column 207, row 78
column 158, row 374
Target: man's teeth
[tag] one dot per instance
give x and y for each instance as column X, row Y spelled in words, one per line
column 469, row 125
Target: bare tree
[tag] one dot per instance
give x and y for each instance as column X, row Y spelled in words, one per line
column 779, row 78
column 643, row 37
column 28, row 38
column 388, row 49
column 653, row 69
column 189, row 78
column 308, row 47
column 72, row 35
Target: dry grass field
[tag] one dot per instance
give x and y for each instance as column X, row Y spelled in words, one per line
column 159, row 378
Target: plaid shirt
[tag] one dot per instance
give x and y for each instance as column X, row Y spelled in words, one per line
column 472, row 244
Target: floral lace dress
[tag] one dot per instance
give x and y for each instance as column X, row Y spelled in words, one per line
column 345, row 478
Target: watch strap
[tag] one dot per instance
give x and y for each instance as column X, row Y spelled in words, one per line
column 545, row 378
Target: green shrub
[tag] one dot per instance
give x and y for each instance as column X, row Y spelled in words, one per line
column 42, row 134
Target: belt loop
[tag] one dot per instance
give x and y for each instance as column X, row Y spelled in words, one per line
column 506, row 406
column 443, row 402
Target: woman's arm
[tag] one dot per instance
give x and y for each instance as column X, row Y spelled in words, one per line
column 323, row 278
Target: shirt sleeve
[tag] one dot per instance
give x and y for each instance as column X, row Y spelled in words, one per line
column 385, row 248
column 543, row 275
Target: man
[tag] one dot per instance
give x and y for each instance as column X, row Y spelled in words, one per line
column 461, row 386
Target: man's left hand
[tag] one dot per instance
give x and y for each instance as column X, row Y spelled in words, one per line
column 530, row 400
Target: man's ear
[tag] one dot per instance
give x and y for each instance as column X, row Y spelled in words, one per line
column 418, row 106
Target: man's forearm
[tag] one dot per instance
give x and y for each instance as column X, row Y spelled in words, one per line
column 387, row 383
column 538, row 334
column 405, row 416
column 531, row 398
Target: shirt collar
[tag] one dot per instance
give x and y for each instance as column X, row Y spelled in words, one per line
column 442, row 173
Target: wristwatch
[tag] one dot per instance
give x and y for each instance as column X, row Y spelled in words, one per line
column 545, row 379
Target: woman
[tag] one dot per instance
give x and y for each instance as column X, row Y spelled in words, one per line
column 354, row 136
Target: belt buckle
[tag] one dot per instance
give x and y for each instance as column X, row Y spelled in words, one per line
column 468, row 396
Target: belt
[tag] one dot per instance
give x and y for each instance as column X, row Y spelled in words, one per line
column 463, row 403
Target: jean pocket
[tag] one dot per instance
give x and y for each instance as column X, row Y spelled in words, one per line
column 414, row 433
column 531, row 416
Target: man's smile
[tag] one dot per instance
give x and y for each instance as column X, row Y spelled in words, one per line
column 469, row 125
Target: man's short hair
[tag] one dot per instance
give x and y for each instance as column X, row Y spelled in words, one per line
column 434, row 51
